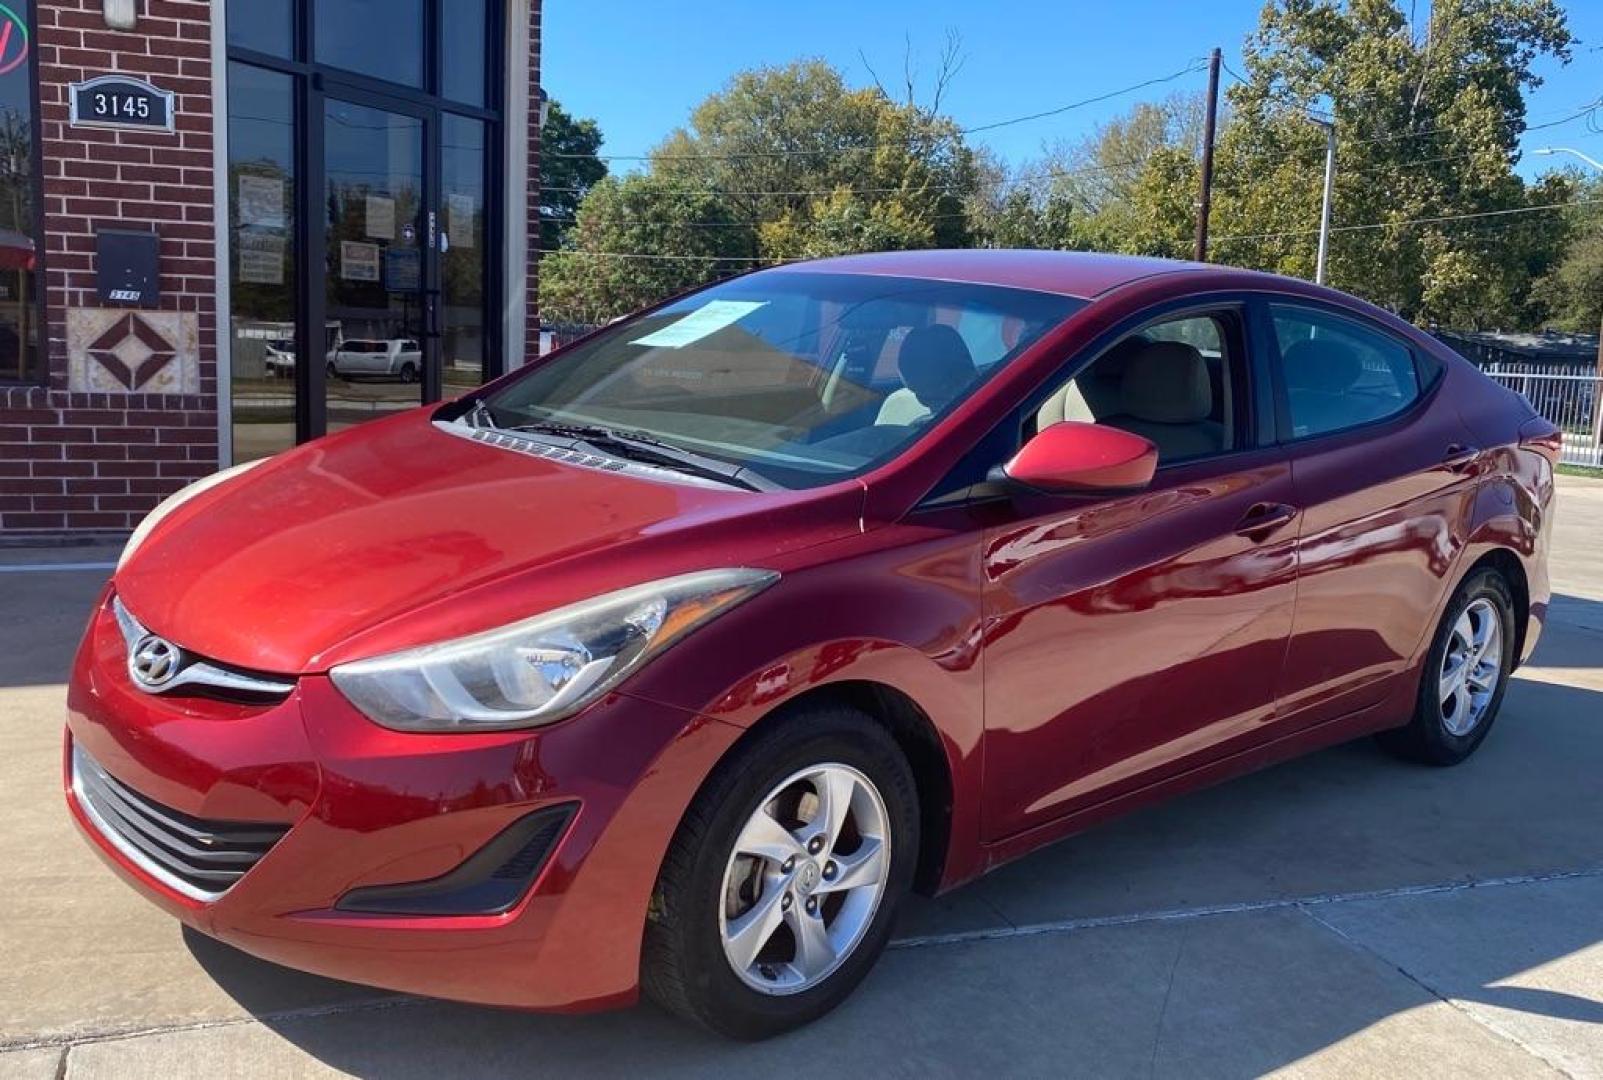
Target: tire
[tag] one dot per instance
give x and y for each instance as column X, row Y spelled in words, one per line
column 685, row 966
column 408, row 373
column 1432, row 737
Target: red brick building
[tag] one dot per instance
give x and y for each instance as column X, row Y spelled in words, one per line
column 195, row 196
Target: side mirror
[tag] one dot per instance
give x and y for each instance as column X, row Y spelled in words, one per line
column 1074, row 456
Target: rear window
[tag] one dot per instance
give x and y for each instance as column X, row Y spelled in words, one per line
column 1338, row 373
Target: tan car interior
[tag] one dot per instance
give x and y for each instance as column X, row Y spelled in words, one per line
column 1159, row 389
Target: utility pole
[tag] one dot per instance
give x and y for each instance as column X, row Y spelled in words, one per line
column 1210, row 122
column 1330, row 190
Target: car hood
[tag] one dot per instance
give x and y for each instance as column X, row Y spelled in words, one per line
column 400, row 533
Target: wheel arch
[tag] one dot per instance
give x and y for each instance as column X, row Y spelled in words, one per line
column 917, row 737
column 1511, row 569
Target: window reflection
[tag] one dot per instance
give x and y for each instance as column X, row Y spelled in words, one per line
column 462, row 50
column 265, row 26
column 261, row 220
column 374, row 193
column 19, row 324
column 381, row 38
column 462, row 263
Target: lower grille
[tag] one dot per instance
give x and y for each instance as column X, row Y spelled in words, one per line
column 199, row 859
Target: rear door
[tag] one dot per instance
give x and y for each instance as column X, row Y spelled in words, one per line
column 1129, row 637
column 1382, row 467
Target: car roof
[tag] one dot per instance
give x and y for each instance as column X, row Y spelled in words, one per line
column 1082, row 274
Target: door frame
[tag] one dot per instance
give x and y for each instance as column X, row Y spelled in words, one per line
column 505, row 115
column 313, row 328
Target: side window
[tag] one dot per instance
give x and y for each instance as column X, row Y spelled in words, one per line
column 1337, row 373
column 1179, row 383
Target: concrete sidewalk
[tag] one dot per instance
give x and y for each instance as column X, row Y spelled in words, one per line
column 1341, row 915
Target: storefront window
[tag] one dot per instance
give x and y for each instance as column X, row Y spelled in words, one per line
column 261, row 219
column 463, row 52
column 265, row 26
column 462, row 262
column 19, row 283
column 381, row 38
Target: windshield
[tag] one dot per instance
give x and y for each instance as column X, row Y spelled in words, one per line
column 801, row 378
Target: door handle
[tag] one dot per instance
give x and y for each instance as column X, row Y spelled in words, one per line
column 1264, row 518
column 1460, row 457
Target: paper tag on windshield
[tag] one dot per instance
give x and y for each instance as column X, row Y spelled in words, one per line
column 708, row 319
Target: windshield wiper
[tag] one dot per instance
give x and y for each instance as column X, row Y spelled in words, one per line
column 644, row 447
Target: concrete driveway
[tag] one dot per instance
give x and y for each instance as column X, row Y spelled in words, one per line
column 1344, row 915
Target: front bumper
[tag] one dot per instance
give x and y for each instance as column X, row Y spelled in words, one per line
column 365, row 806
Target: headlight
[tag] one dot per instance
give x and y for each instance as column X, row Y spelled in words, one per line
column 541, row 669
column 174, row 501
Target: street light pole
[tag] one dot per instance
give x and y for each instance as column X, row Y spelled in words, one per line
column 1330, row 189
column 1590, row 160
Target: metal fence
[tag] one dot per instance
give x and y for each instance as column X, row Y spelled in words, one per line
column 1571, row 398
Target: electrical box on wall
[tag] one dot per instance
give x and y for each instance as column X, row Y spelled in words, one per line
column 127, row 267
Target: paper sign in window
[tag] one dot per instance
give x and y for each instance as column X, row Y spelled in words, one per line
column 460, row 211
column 704, row 321
column 358, row 262
column 261, row 201
column 380, row 217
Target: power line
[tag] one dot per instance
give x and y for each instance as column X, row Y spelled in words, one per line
column 1369, row 226
column 1440, row 218
column 1010, row 121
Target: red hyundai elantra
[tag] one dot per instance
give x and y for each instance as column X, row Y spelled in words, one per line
column 679, row 657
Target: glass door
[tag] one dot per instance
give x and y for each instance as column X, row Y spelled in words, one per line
column 379, row 340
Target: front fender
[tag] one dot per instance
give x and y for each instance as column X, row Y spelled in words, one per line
column 899, row 608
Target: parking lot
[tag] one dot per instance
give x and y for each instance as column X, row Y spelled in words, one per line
column 1343, row 915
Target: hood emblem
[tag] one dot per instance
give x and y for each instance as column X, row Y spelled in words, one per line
column 154, row 662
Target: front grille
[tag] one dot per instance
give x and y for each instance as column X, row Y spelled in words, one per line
column 197, row 858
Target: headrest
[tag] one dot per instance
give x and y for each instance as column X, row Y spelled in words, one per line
column 935, row 364
column 1166, row 383
column 1323, row 365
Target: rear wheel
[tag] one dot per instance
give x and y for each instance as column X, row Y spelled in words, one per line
column 781, row 886
column 409, row 372
column 1466, row 674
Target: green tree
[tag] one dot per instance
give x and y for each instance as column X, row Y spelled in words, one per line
column 568, row 170
column 1570, row 293
column 638, row 240
column 788, row 143
column 782, row 163
column 1428, row 120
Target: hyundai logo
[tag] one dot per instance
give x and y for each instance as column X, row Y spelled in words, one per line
column 153, row 662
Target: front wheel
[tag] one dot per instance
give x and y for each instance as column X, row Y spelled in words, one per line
column 1465, row 676
column 780, row 888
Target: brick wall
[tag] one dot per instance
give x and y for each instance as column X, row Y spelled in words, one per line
column 101, row 460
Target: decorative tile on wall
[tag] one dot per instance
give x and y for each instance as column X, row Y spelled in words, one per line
column 111, row 350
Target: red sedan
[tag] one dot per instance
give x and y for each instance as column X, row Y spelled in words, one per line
column 676, row 659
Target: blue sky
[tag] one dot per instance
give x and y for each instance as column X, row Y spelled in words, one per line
column 639, row 67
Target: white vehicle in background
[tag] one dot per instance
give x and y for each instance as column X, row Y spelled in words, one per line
column 279, row 358
column 393, row 358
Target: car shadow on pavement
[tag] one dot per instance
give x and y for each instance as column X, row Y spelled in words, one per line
column 1582, row 649
column 1232, row 932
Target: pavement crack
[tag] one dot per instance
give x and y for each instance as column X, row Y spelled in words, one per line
column 68, row 1040
column 1496, row 1030
column 1096, row 922
column 1163, row 1010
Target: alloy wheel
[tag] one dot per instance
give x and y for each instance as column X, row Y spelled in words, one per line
column 1471, row 665
column 804, row 880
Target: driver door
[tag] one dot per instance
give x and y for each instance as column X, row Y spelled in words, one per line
column 1130, row 637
